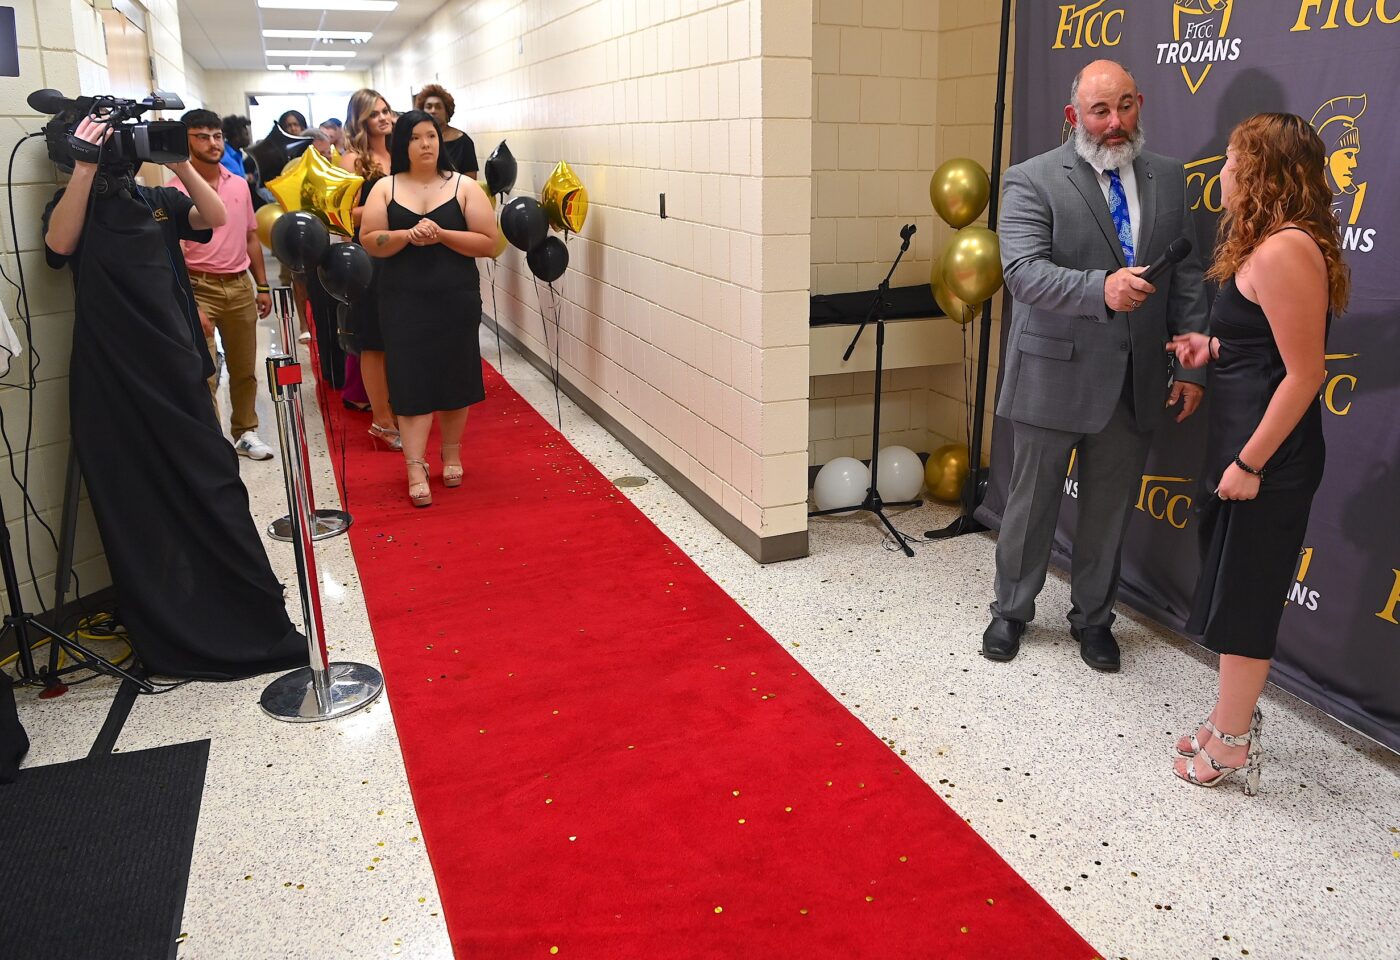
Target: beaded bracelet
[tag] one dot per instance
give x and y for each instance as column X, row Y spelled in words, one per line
column 1248, row 469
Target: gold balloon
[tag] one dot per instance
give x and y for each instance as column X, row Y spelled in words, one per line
column 959, row 190
column 946, row 471
column 972, row 264
column 266, row 216
column 489, row 195
column 564, row 199
column 951, row 304
column 314, row 185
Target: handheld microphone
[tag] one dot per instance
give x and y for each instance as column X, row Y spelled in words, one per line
column 910, row 229
column 1175, row 253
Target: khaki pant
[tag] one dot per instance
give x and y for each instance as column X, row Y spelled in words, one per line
column 231, row 305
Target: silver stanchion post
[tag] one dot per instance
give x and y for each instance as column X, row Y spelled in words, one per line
column 322, row 690
column 327, row 523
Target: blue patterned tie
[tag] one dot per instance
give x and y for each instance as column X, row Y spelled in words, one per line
column 1118, row 209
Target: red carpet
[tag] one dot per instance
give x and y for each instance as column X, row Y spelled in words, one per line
column 610, row 759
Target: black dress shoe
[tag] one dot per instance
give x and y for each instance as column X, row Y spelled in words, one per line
column 1097, row 647
column 1002, row 639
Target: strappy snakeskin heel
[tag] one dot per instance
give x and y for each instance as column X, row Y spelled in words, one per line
column 1195, row 743
column 1252, row 761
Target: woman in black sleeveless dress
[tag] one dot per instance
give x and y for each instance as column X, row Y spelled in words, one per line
column 1279, row 260
column 428, row 223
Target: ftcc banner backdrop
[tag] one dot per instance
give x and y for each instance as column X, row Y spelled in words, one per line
column 1202, row 66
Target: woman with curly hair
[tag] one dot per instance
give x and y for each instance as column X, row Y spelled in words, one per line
column 439, row 104
column 368, row 123
column 1279, row 262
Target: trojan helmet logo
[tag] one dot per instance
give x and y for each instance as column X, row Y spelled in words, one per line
column 1200, row 39
column 1335, row 123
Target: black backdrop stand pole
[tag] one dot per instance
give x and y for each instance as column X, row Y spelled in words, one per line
column 872, row 502
column 975, row 488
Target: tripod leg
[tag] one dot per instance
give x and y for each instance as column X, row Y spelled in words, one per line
column 898, row 537
column 88, row 659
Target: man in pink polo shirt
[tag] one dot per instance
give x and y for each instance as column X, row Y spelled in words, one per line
column 222, row 288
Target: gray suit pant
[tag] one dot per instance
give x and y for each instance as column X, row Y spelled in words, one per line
column 1110, row 470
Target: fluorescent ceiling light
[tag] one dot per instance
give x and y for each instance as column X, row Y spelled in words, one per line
column 354, row 36
column 299, row 67
column 359, row 6
column 330, row 54
column 276, row 66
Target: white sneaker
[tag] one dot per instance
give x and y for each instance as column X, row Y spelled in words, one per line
column 250, row 446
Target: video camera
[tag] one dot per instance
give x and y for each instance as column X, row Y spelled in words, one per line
column 133, row 141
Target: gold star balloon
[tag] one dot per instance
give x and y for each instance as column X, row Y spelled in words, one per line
column 313, row 184
column 564, row 199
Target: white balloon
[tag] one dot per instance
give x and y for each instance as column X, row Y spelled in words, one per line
column 841, row 483
column 899, row 474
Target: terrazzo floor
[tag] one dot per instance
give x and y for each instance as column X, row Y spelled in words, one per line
column 308, row 843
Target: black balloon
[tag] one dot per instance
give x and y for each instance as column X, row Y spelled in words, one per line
column 274, row 150
column 300, row 240
column 524, row 223
column 549, row 260
column 501, row 170
column 346, row 271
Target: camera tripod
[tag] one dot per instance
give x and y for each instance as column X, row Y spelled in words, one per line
column 21, row 623
column 872, row 502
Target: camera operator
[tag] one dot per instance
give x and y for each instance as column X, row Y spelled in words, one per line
column 193, row 583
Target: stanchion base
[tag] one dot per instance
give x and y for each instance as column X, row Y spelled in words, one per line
column 292, row 697
column 329, row 523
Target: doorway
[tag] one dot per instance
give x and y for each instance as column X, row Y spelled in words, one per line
column 129, row 65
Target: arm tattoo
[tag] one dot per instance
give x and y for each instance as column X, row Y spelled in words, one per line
column 381, row 239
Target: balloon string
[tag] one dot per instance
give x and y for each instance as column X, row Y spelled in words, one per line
column 558, row 347
column 544, row 325
column 496, row 317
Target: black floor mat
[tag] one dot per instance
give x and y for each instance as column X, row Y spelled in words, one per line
column 96, row 854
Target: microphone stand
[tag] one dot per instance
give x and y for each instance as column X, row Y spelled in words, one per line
column 872, row 502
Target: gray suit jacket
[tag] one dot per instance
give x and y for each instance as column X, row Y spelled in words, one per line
column 1067, row 353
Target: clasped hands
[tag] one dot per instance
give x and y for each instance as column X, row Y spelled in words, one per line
column 425, row 233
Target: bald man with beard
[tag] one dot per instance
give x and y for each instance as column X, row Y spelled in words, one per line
column 1084, row 368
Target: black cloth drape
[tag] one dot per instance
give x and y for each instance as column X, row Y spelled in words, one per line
column 194, row 587
column 14, row 744
column 328, row 349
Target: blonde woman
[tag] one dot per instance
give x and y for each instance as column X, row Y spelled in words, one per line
column 368, row 123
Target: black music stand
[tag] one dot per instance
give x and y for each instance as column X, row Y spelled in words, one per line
column 872, row 502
